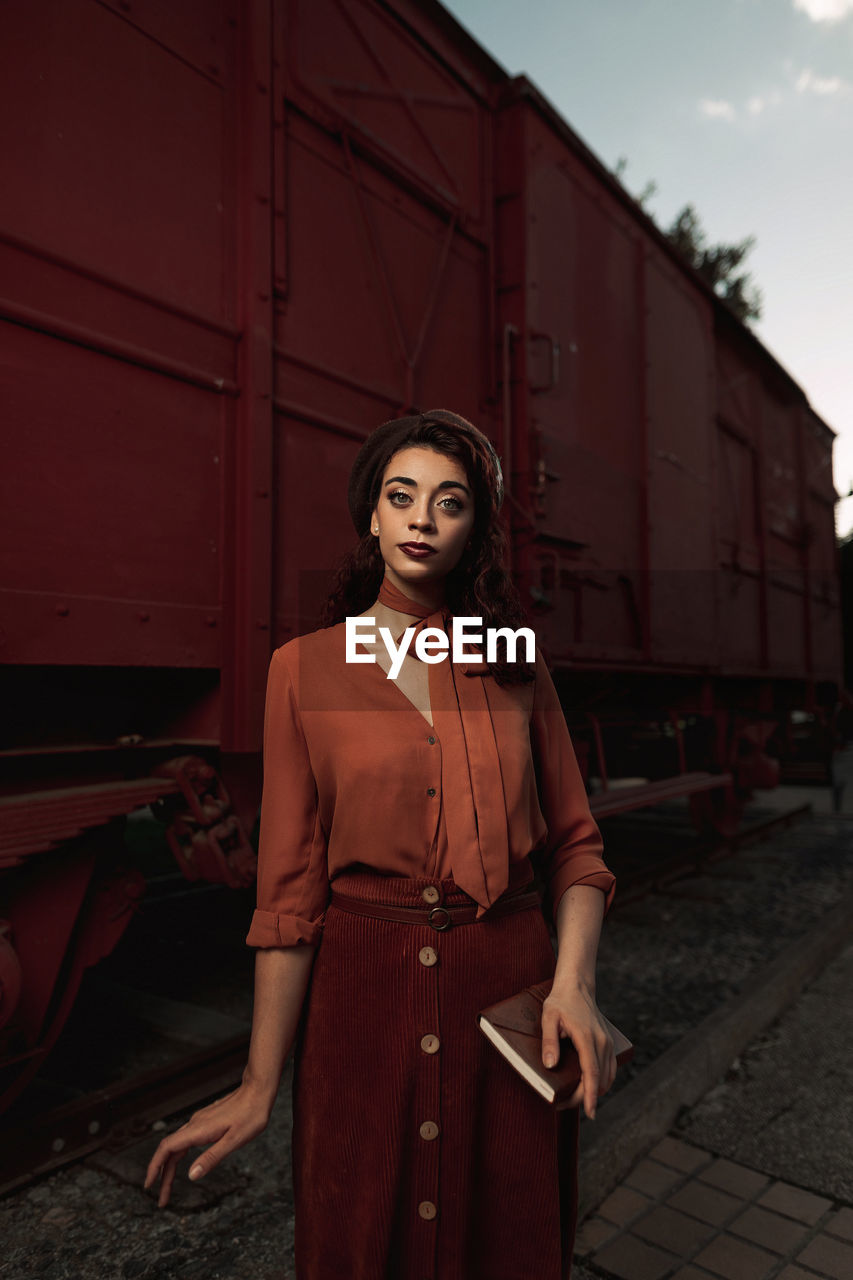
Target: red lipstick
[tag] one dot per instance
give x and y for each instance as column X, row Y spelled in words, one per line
column 418, row 550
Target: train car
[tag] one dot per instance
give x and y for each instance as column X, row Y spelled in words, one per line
column 674, row 504
column 235, row 237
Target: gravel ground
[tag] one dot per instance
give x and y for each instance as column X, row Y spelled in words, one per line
column 785, row 1105
column 94, row 1220
column 667, row 961
column 664, row 963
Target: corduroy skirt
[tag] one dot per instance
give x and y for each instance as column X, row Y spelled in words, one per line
column 418, row 1152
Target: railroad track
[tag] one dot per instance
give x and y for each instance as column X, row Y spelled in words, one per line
column 122, row 1113
column 119, row 1113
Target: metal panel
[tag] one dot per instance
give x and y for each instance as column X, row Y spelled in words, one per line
column 740, row 558
column 355, row 68
column 116, row 257
column 115, row 138
column 583, row 359
column 738, row 387
column 780, row 423
column 680, row 462
column 111, row 511
column 578, row 449
column 247, row 497
column 382, row 267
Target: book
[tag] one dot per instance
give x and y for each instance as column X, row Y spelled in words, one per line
column 514, row 1026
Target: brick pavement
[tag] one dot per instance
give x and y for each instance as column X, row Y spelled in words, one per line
column 683, row 1213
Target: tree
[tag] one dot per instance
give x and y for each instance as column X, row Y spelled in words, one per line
column 649, row 190
column 719, row 263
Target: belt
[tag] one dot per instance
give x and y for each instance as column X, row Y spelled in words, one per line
column 438, row 917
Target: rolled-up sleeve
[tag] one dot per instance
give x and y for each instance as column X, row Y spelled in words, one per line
column 573, row 853
column 293, row 878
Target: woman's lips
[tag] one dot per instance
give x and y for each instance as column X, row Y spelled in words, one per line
column 417, row 550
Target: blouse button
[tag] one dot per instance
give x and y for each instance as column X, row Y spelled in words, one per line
column 430, row 791
column 429, row 1130
column 430, row 740
column 427, row 956
column 430, row 893
column 427, row 1209
column 430, row 1044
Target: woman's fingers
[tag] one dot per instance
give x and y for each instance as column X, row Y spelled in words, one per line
column 594, row 1047
column 587, row 1092
column 552, row 1025
column 590, row 1071
column 610, row 1074
column 577, row 1096
column 199, row 1130
column 169, row 1170
column 550, row 1035
column 226, row 1127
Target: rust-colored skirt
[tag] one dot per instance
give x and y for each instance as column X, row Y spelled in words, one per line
column 418, row 1152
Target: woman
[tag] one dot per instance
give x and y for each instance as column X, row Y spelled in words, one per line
column 394, row 872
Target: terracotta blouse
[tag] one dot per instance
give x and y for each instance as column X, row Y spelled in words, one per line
column 354, row 775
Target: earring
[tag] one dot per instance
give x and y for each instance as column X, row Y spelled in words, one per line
column 375, row 530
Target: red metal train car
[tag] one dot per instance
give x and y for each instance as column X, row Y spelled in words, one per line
column 234, row 237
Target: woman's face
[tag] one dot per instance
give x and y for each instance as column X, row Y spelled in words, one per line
column 425, row 499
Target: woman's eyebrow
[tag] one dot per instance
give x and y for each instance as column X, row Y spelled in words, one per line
column 445, row 484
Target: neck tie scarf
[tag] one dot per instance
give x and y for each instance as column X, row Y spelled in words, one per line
column 473, row 795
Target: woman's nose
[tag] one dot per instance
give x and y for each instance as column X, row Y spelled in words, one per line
column 420, row 518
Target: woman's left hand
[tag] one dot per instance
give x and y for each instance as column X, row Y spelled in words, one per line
column 572, row 1011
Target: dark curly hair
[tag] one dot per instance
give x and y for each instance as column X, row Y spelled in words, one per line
column 480, row 585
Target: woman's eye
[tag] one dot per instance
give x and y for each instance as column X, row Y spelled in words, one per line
column 450, row 503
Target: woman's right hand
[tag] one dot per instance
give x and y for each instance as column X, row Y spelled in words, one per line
column 228, row 1123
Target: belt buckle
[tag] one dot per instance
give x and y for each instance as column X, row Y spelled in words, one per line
column 445, row 924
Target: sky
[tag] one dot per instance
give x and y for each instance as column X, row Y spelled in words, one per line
column 743, row 108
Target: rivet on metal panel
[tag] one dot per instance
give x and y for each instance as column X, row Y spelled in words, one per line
column 210, row 622
column 263, row 199
column 63, row 610
column 144, row 617
column 262, row 626
column 262, row 493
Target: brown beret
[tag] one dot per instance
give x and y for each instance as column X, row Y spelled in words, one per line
column 382, row 443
